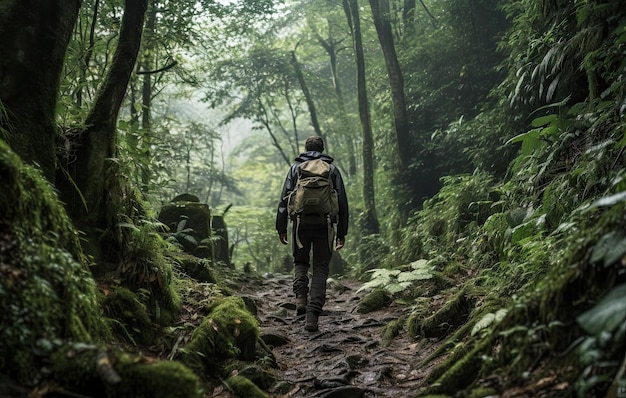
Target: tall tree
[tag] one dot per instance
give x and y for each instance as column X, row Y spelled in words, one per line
column 381, row 14
column 95, row 144
column 370, row 222
column 332, row 47
column 307, row 94
column 32, row 51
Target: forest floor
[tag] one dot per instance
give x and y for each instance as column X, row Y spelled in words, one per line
column 347, row 357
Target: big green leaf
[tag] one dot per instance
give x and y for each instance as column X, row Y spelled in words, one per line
column 610, row 248
column 607, row 315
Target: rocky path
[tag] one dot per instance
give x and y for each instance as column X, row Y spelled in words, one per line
column 347, row 357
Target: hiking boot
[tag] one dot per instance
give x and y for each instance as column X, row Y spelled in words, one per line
column 301, row 303
column 311, row 321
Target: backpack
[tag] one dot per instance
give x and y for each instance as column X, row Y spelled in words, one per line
column 314, row 198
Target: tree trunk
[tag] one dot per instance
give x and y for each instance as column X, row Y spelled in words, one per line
column 307, row 94
column 95, row 147
column 146, row 93
column 408, row 17
column 330, row 46
column 266, row 122
column 86, row 59
column 34, row 35
column 380, row 12
column 370, row 224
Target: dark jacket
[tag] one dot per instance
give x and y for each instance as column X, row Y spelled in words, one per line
column 282, row 218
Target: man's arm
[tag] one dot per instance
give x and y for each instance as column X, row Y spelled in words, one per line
column 344, row 214
column 282, row 218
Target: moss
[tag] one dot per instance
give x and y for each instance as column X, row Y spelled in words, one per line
column 374, row 300
column 229, row 331
column 134, row 323
column 449, row 317
column 460, row 372
column 197, row 268
column 263, row 378
column 147, row 267
column 434, row 396
column 161, row 379
column 46, row 288
column 101, row 372
column 243, row 387
column 482, row 392
column 392, row 330
column 451, row 342
column 457, row 352
column 74, row 368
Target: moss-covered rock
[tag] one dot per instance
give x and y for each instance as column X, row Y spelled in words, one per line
column 229, row 331
column 196, row 267
column 46, row 289
column 374, row 300
column 102, row 372
column 450, row 316
column 263, row 378
column 189, row 225
column 243, row 387
column 392, row 330
column 133, row 322
column 461, row 371
column 161, row 379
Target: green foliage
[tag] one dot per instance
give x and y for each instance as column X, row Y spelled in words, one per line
column 395, row 281
column 491, row 318
column 463, row 203
column 607, row 316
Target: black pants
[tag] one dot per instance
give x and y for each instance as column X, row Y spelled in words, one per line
column 316, row 240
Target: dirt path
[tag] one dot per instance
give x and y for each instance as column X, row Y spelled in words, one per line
column 347, row 356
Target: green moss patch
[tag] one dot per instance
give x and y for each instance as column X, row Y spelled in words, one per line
column 131, row 317
column 450, row 316
column 93, row 371
column 46, row 289
column 374, row 300
column 243, row 387
column 229, row 331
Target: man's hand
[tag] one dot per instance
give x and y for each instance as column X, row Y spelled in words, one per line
column 339, row 244
column 283, row 238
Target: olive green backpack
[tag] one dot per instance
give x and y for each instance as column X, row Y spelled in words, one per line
column 314, row 196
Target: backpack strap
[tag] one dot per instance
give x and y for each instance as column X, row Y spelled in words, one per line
column 297, row 232
column 331, row 233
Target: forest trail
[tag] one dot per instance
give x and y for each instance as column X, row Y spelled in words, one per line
column 347, row 356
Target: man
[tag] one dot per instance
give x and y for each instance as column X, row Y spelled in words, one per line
column 315, row 234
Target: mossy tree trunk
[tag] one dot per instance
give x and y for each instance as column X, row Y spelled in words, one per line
column 34, row 35
column 96, row 143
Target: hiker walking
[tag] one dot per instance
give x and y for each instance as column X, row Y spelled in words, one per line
column 314, row 198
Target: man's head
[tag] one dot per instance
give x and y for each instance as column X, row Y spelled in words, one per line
column 314, row 143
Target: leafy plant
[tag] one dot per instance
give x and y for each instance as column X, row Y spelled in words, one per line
column 606, row 325
column 395, row 280
column 492, row 318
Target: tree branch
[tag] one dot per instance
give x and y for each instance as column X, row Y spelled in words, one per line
column 163, row 69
